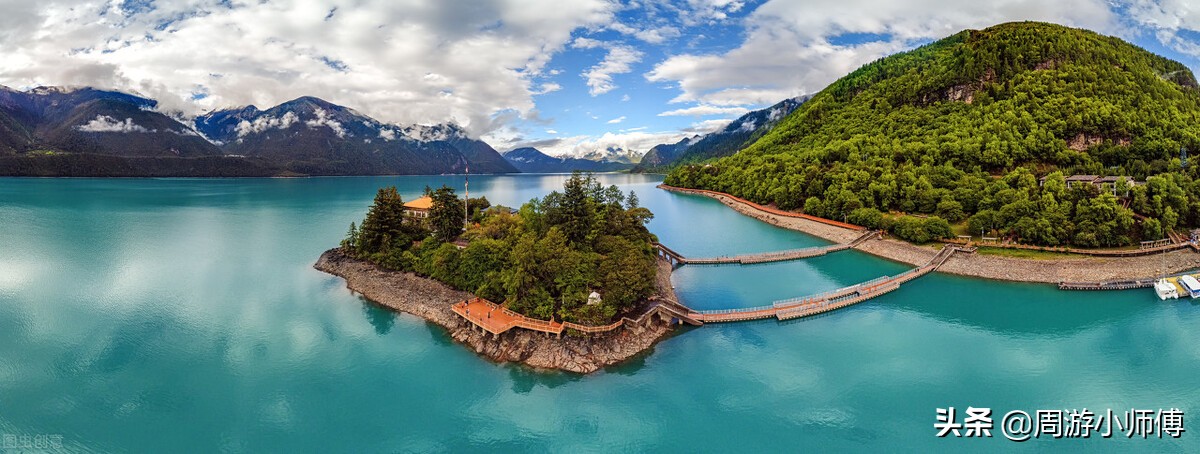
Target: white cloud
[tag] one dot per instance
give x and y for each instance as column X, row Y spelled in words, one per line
column 264, row 123
column 586, row 43
column 1167, row 18
column 387, row 134
column 638, row 142
column 707, row 126
column 374, row 56
column 704, row 110
column 105, row 123
column 791, row 48
column 324, row 120
column 656, row 35
column 619, row 60
column 616, row 120
column 624, row 98
column 551, row 131
column 548, row 87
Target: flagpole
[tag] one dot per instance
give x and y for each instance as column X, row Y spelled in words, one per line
column 467, row 199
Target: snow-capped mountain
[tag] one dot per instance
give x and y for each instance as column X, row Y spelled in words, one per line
column 56, row 131
column 324, row 138
column 729, row 140
column 532, row 160
column 87, row 120
column 612, row 154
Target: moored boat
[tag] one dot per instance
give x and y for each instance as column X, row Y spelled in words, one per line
column 1165, row 289
column 1191, row 285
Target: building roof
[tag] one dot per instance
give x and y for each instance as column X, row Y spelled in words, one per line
column 1087, row 178
column 1113, row 179
column 423, row 203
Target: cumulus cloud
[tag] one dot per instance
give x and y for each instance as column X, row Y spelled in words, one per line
column 488, row 56
column 619, row 59
column 792, row 48
column 703, row 111
column 1170, row 20
column 264, row 123
column 105, row 123
column 548, row 87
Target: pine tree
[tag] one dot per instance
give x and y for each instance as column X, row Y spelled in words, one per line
column 351, row 240
column 385, row 218
column 446, row 214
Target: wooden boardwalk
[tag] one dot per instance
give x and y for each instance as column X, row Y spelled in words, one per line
column 496, row 319
column 763, row 257
column 828, row 301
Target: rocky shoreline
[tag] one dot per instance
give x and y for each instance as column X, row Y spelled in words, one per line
column 431, row 300
column 1053, row 271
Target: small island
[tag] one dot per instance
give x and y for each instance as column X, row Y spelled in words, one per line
column 571, row 281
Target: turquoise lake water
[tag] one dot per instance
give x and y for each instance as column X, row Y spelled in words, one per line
column 183, row 315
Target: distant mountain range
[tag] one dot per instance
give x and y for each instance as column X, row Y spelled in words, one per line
column 729, row 140
column 531, row 160
column 52, row 131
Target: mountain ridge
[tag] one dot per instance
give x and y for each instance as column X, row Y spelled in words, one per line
column 728, row 140
column 983, row 127
column 121, row 134
column 532, row 160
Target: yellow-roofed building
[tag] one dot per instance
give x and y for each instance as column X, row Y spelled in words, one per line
column 418, row 208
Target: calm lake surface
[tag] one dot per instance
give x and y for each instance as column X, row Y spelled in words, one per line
column 183, row 315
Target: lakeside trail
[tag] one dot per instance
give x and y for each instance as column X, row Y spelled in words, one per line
column 431, row 300
column 1053, row 271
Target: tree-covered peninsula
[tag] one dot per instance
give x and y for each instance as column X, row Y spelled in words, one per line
column 982, row 133
column 542, row 261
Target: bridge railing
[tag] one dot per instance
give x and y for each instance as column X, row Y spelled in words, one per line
column 733, row 311
column 594, row 329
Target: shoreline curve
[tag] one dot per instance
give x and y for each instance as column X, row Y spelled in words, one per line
column 1044, row 271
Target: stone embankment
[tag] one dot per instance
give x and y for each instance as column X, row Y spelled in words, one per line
column 431, row 300
column 1072, row 269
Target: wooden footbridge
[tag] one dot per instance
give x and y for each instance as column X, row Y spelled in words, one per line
column 678, row 259
column 495, row 319
column 815, row 304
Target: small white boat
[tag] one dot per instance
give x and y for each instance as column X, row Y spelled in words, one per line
column 1191, row 285
column 1165, row 290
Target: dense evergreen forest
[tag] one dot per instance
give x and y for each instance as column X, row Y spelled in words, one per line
column 963, row 131
column 542, row 261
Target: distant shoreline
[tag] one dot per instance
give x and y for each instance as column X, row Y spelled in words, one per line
column 1047, row 271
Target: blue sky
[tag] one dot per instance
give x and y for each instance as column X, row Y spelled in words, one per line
column 568, row 76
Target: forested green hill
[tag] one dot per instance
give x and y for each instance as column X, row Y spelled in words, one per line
column 963, row 127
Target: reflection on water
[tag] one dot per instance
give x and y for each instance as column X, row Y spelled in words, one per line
column 150, row 315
